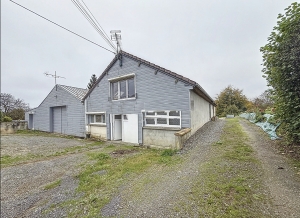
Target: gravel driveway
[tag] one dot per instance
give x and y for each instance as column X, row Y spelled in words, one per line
column 279, row 175
column 23, row 191
column 15, row 145
column 159, row 197
column 154, row 193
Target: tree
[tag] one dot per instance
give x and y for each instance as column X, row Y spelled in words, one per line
column 92, row 81
column 281, row 61
column 231, row 100
column 10, row 106
column 264, row 101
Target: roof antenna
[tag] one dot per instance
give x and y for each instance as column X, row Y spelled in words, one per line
column 54, row 76
column 116, row 36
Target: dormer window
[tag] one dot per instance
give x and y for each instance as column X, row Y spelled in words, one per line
column 124, row 88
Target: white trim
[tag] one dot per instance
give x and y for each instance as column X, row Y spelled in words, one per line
column 94, row 112
column 121, row 77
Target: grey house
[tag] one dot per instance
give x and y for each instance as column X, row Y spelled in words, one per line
column 62, row 111
column 139, row 102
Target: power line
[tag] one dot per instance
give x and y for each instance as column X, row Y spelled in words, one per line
column 98, row 23
column 85, row 13
column 62, row 27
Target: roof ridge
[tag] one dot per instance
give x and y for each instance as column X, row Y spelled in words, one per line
column 164, row 70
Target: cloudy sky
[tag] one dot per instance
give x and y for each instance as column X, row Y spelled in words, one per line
column 213, row 42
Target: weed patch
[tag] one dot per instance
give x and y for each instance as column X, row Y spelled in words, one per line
column 98, row 188
column 53, row 185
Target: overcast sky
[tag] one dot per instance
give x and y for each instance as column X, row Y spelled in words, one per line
column 213, row 42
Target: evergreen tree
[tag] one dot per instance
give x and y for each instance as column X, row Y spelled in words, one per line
column 92, row 81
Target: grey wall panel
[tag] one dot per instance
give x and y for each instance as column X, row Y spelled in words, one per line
column 154, row 92
column 74, row 113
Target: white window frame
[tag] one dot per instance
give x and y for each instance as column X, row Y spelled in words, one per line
column 167, row 117
column 94, row 114
column 118, row 80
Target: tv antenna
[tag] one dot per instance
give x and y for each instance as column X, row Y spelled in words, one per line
column 53, row 76
column 116, row 36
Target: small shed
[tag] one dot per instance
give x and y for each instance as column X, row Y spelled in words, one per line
column 61, row 112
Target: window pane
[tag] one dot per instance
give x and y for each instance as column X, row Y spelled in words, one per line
column 98, row 118
column 174, row 113
column 123, row 89
column 150, row 121
column 161, row 113
column 150, row 113
column 118, row 117
column 174, row 121
column 103, row 118
column 114, row 88
column 131, row 88
column 161, row 121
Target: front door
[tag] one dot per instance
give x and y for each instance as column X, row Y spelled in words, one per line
column 117, row 127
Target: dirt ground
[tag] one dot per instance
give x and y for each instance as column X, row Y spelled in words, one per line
column 280, row 176
column 23, row 193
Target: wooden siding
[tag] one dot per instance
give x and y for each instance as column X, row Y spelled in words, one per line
column 154, row 92
column 74, row 114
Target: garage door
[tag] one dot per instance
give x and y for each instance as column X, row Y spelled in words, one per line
column 60, row 119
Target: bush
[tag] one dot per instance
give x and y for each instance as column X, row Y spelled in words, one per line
column 7, row 119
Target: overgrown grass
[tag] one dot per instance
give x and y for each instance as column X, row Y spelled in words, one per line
column 228, row 186
column 98, row 188
column 53, row 184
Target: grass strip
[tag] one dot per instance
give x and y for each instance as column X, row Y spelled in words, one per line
column 229, row 184
column 52, row 185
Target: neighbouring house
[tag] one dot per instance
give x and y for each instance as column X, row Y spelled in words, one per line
column 139, row 102
column 62, row 111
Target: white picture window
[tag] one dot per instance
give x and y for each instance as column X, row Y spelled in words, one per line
column 163, row 118
column 123, row 89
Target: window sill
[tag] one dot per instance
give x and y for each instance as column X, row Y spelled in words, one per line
column 124, row 99
column 162, row 128
column 97, row 124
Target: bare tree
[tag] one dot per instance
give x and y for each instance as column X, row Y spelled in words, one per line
column 10, row 103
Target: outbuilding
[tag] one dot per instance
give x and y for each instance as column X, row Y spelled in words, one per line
column 62, row 111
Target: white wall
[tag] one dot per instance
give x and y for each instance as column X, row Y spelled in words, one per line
column 201, row 112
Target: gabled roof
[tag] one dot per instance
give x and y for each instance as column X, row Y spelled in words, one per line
column 79, row 93
column 196, row 87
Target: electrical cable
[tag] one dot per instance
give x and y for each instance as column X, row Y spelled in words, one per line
column 62, row 27
column 98, row 23
column 92, row 22
column 89, row 19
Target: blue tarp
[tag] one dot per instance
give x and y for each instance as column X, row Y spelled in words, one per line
column 266, row 126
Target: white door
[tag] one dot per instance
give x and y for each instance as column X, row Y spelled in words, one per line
column 117, row 126
column 130, row 128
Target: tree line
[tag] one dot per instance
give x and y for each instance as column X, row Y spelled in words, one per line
column 281, row 68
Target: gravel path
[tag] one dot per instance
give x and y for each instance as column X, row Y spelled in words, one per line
column 279, row 176
column 156, row 192
column 16, row 145
column 23, row 191
column 22, row 186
